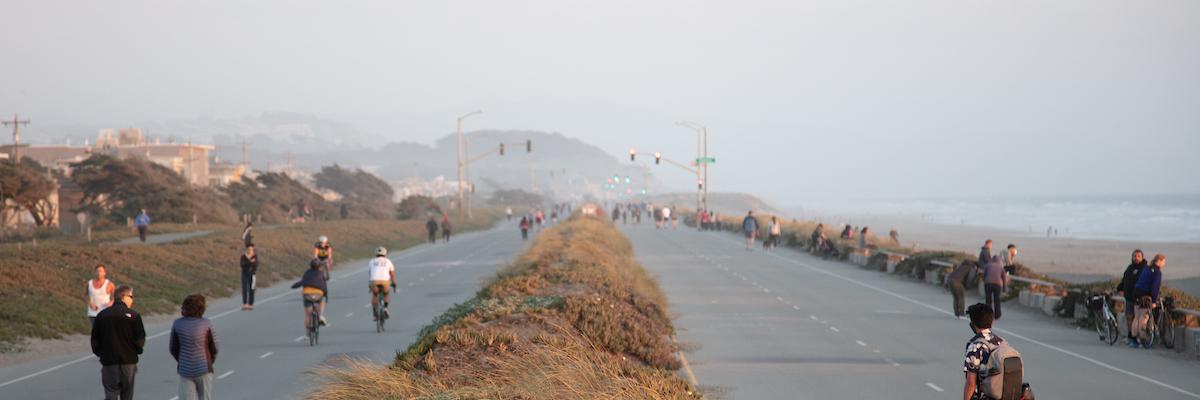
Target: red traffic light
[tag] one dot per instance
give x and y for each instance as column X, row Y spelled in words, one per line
column 632, row 154
column 657, row 158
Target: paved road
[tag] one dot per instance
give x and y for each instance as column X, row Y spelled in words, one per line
column 260, row 356
column 164, row 237
column 785, row 325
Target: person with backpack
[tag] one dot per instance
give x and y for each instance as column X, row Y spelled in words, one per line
column 750, row 229
column 992, row 368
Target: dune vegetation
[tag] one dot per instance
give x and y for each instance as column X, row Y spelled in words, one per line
column 575, row 316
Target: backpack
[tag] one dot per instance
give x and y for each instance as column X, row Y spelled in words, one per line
column 1003, row 373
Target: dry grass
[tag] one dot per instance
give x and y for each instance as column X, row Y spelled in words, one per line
column 43, row 287
column 574, row 317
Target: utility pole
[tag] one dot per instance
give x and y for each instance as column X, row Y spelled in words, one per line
column 16, row 124
column 290, row 157
column 459, row 159
column 244, row 158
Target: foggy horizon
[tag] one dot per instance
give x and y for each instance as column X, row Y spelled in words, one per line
column 803, row 101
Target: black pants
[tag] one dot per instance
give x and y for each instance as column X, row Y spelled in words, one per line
column 992, row 294
column 247, row 288
column 142, row 233
column 524, row 233
column 432, row 236
column 118, row 381
column 959, row 292
column 445, row 235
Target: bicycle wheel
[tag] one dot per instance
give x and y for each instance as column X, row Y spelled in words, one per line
column 1149, row 334
column 1167, row 329
column 1111, row 332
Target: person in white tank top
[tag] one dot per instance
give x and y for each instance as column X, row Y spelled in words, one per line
column 99, row 293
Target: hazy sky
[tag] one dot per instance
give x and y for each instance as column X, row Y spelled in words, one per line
column 803, row 99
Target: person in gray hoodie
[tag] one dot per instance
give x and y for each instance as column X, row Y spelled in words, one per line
column 995, row 280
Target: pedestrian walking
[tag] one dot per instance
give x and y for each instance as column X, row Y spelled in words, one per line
column 142, row 222
column 995, row 280
column 750, row 229
column 117, row 339
column 431, row 226
column 445, row 228
column 194, row 347
column 99, row 293
column 508, row 213
column 958, row 280
column 248, row 234
column 249, row 264
column 524, row 228
column 774, row 231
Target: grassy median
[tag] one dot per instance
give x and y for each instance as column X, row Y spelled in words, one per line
column 43, row 287
column 575, row 316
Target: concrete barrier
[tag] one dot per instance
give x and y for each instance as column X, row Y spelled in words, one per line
column 1036, row 299
column 1049, row 303
column 1191, row 340
column 1023, row 298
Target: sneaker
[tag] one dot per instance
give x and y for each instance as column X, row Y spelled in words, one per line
column 323, row 321
column 386, row 314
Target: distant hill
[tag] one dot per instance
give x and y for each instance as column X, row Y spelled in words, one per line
column 721, row 202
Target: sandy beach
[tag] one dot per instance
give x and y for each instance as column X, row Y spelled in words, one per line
column 1076, row 260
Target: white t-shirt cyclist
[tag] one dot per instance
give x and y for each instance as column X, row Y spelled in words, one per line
column 381, row 270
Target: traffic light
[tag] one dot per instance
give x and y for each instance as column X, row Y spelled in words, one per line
column 501, row 148
column 528, row 146
column 657, row 158
column 699, row 184
column 632, row 154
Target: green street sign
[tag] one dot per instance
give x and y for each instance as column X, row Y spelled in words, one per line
column 706, row 160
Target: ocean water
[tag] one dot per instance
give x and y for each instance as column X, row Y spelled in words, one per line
column 1154, row 218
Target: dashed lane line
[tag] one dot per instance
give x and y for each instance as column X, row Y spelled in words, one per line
column 265, row 355
column 225, row 375
column 934, row 387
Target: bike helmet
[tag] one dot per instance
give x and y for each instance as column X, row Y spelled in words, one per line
column 380, row 252
column 322, row 239
column 315, row 263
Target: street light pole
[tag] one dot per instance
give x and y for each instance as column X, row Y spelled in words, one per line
column 701, row 152
column 459, row 159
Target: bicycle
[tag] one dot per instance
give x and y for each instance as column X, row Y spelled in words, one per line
column 1099, row 307
column 1161, row 326
column 378, row 311
column 313, row 303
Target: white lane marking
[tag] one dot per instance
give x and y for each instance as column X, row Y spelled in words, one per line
column 1004, row 331
column 298, row 339
column 225, row 375
column 405, row 254
column 812, row 317
column 348, row 315
column 834, row 328
column 779, row 298
column 860, row 343
column 893, row 362
column 796, row 308
column 765, row 290
column 175, row 398
column 934, row 387
column 75, row 361
column 875, row 351
column 265, row 355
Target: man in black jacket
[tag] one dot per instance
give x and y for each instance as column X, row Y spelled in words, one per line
column 1137, row 264
column 117, row 338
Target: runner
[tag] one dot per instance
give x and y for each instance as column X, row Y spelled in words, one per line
column 99, row 293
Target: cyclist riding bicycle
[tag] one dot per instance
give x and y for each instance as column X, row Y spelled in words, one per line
column 313, row 291
column 382, row 274
column 323, row 251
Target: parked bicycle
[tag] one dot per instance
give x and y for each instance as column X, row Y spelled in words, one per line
column 1161, row 327
column 1100, row 309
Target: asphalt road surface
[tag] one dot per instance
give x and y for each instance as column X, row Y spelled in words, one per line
column 785, row 325
column 264, row 354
